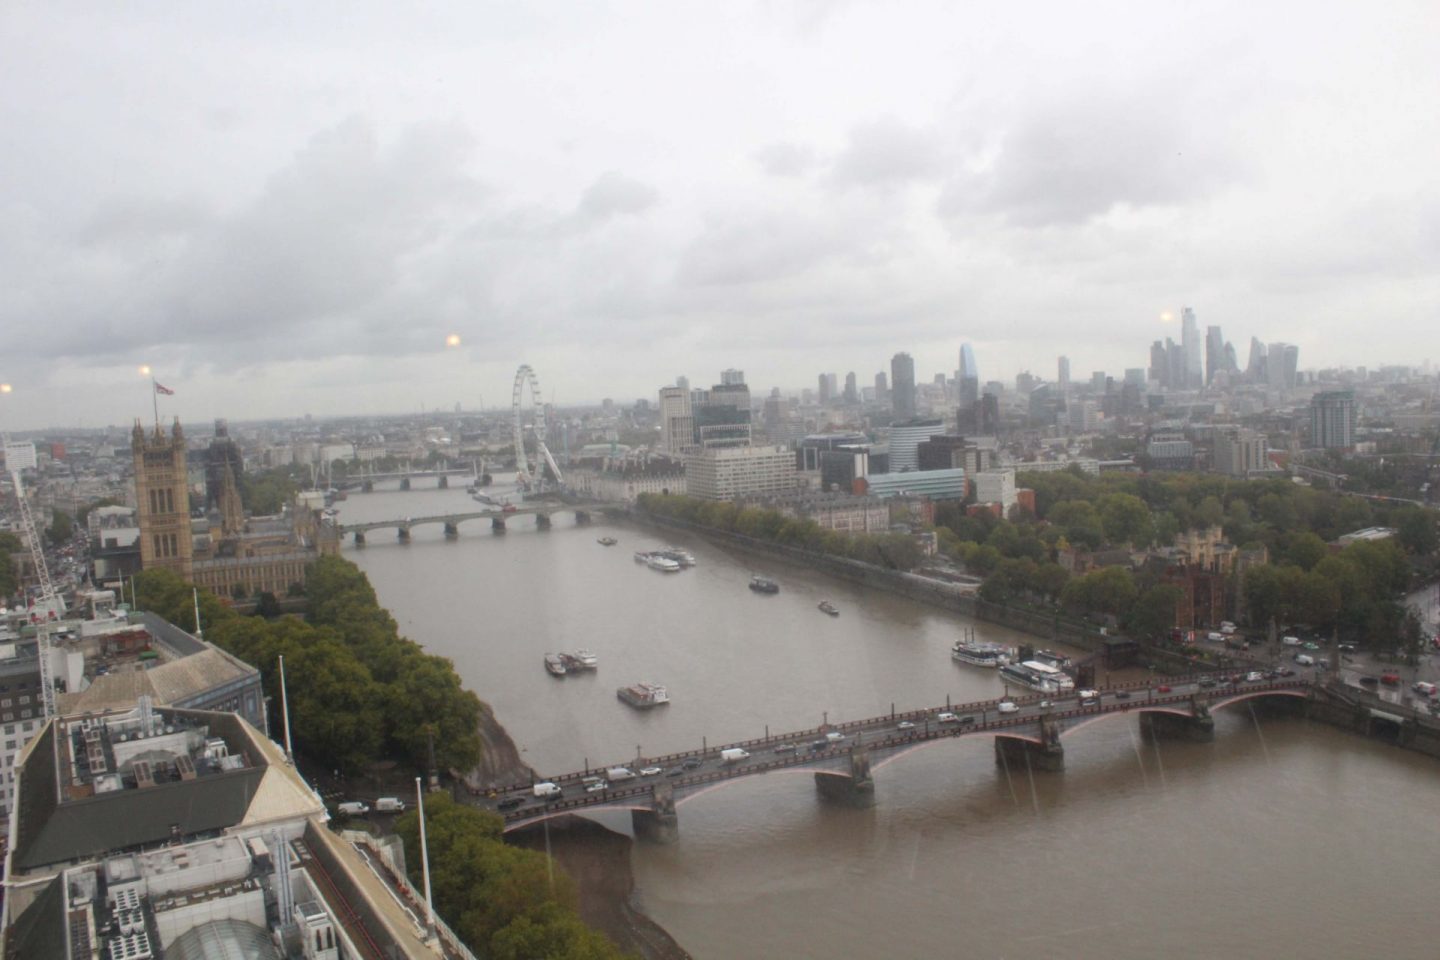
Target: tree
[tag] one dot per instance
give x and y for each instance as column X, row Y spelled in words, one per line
column 1152, row 615
column 1126, row 519
column 9, row 579
column 1415, row 530
column 1305, row 550
column 61, row 528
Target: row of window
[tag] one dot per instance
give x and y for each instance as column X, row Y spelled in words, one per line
column 166, row 545
column 162, row 501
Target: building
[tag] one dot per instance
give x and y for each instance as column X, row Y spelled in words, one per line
column 722, row 417
column 989, row 415
column 997, row 487
column 162, row 497
column 1332, row 419
column 1281, row 360
column 1215, row 360
column 1063, row 374
column 625, row 480
column 902, row 379
column 810, row 448
column 842, row 512
column 905, row 439
column 1170, row 451
column 677, row 423
column 930, row 484
column 1190, row 338
column 852, row 394
column 733, row 473
column 732, row 377
column 1240, row 452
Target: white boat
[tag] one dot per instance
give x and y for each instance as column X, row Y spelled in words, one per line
column 980, row 654
column 663, row 564
column 1037, row 676
column 580, row 660
column 1057, row 660
column 642, row 556
column 643, row 696
column 682, row 557
column 555, row 664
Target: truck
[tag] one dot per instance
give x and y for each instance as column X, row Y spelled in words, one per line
column 545, row 790
column 389, row 805
column 734, row 755
column 617, row 774
column 354, row 808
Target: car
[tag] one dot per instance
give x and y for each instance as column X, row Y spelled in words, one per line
column 1346, row 647
column 905, row 725
column 1089, row 701
column 1206, row 682
column 1216, row 637
column 1254, row 675
column 784, row 748
column 1369, row 681
column 1272, row 675
column 965, row 721
column 1290, row 641
column 1122, row 694
column 1311, row 645
column 1390, row 679
column 675, row 772
column 1088, row 694
column 817, row 745
column 1045, row 704
column 1286, row 672
column 510, row 803
column 834, row 737
column 946, row 716
column 1006, row 706
column 596, row 787
column 650, row 771
column 692, row 763
column 1163, row 688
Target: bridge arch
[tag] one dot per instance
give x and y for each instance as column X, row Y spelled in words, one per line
column 628, row 803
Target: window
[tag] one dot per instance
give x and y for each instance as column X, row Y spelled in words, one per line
column 10, row 729
column 5, row 703
column 9, row 716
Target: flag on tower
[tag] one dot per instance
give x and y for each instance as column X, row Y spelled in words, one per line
column 163, row 390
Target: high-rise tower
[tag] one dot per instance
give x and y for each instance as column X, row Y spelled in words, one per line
column 162, row 497
column 902, row 386
column 1214, row 353
column 1190, row 340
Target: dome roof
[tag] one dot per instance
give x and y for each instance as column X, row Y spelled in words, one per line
column 224, row 940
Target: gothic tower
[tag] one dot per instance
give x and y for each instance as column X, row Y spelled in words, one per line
column 162, row 498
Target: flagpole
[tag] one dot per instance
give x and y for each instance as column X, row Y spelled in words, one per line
column 155, row 402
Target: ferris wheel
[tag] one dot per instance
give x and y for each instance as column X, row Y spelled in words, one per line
column 532, row 478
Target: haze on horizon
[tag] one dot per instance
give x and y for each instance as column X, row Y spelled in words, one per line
column 285, row 209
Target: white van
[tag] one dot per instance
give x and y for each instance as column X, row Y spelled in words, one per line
column 390, row 805
column 617, row 774
column 733, row 755
column 1304, row 660
column 546, row 790
column 1290, row 641
column 1424, row 689
column 354, row 808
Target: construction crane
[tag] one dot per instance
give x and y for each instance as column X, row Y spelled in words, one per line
column 48, row 605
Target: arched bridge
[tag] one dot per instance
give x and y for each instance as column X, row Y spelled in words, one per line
column 843, row 756
column 541, row 511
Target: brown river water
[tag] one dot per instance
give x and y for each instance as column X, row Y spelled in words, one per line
column 1282, row 838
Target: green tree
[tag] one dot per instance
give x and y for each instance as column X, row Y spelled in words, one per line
column 1152, row 616
column 9, row 578
column 1126, row 519
column 1305, row 550
column 61, row 528
column 1415, row 529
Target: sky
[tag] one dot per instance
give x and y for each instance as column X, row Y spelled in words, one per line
column 288, row 208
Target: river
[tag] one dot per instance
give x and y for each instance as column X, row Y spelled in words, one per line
column 1280, row 838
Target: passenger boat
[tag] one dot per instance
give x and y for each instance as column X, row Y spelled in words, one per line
column 642, row 556
column 1056, row 660
column 764, row 585
column 607, row 541
column 1037, row 676
column 827, row 607
column 555, row 664
column 643, row 696
column 663, row 564
column 580, row 660
column 979, row 653
column 682, row 557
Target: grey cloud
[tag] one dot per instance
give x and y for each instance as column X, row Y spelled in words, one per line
column 757, row 250
column 887, row 152
column 615, row 195
column 785, row 159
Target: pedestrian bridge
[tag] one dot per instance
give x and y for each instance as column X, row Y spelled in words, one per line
column 844, row 757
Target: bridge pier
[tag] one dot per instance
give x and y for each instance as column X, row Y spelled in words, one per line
column 582, row 517
column 1197, row 728
column 402, row 534
column 444, row 481
column 359, row 538
column 452, row 530
column 542, row 521
column 368, row 486
column 856, row 788
column 497, row 524
column 659, row 824
column 1048, row 754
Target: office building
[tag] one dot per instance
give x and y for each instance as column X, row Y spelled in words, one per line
column 852, row 395
column 722, row 416
column 730, row 378
column 1190, row 339
column 1214, row 354
column 1063, row 375
column 1240, row 452
column 996, row 486
column 931, row 484
column 1170, row 451
column 882, row 388
column 1332, row 419
column 905, row 438
column 989, row 415
column 902, row 379
column 739, row 472
column 1281, row 360
column 808, row 451
column 677, row 423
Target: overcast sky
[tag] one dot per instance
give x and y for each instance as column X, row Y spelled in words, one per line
column 286, row 208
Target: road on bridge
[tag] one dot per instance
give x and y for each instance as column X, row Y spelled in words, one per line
column 829, row 747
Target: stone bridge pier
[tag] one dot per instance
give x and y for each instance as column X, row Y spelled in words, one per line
column 444, row 481
column 542, row 521
column 402, row 534
column 1048, row 754
column 659, row 824
column 497, row 524
column 359, row 538
column 404, row 483
column 452, row 529
column 855, row 788
column 582, row 517
column 1199, row 727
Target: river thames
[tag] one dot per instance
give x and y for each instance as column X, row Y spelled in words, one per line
column 1280, row 838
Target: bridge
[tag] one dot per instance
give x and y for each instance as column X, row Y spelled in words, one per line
column 540, row 510
column 844, row 757
column 365, row 482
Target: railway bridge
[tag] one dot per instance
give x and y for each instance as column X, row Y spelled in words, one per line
column 844, row 757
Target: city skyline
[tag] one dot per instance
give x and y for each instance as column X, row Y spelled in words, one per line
column 281, row 216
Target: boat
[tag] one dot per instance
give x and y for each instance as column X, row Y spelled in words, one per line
column 642, row 556
column 643, row 696
column 1037, row 676
column 764, row 585
column 1056, row 660
column 607, row 541
column 664, row 564
column 555, row 664
column 682, row 557
column 827, row 607
column 580, row 660
column 980, row 654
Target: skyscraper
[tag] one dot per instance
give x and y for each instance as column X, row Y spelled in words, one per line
column 1280, row 363
column 882, row 388
column 677, row 422
column 902, row 377
column 968, row 384
column 824, row 389
column 1255, row 369
column 731, row 377
column 852, row 394
column 1332, row 419
column 1214, row 353
column 1190, row 340
column 1064, row 375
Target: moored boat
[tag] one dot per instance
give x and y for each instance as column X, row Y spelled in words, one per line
column 764, row 585
column 827, row 607
column 643, row 696
column 1037, row 676
column 581, row 660
column 607, row 541
column 555, row 664
column 661, row 563
column 980, row 654
column 642, row 556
